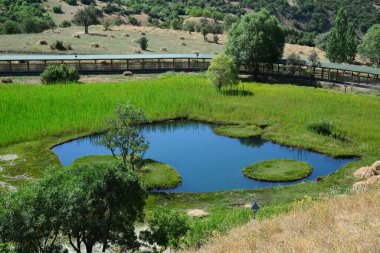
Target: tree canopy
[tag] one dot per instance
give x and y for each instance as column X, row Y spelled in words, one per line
column 86, row 17
column 370, row 45
column 341, row 42
column 257, row 38
column 222, row 71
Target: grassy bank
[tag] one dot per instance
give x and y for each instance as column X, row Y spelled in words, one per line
column 34, row 118
column 278, row 170
column 153, row 174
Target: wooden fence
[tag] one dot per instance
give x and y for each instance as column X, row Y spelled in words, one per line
column 145, row 64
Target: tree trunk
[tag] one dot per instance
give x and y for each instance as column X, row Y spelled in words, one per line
column 89, row 247
column 86, row 29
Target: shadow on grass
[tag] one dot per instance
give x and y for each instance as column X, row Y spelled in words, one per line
column 234, row 92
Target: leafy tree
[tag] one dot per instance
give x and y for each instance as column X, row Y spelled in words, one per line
column 106, row 24
column 143, row 42
column 103, row 206
column 293, row 63
column 32, row 217
column 370, row 45
column 86, row 17
column 314, row 59
column 204, row 32
column 59, row 74
column 122, row 134
column 222, row 71
column 166, row 228
column 257, row 38
column 341, row 42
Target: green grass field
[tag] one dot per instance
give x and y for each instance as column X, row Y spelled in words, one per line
column 278, row 170
column 34, row 118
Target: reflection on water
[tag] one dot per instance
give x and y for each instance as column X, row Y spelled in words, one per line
column 206, row 161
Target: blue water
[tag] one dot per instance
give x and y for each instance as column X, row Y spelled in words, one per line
column 206, row 161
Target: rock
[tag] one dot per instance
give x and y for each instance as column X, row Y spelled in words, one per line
column 7, row 158
column 125, row 34
column 376, row 166
column 142, row 33
column 365, row 172
column 76, row 36
column 197, row 213
column 42, row 42
column 373, row 180
column 7, row 186
column 6, row 80
column 360, row 186
column 182, row 38
column 247, row 205
column 136, row 51
column 163, row 49
column 95, row 45
column 127, row 73
column 183, row 43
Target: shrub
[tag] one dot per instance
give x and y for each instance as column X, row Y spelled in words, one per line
column 143, row 41
column 322, row 127
column 58, row 45
column 86, row 2
column 59, row 74
column 65, row 23
column 57, row 9
column 71, row 2
column 133, row 21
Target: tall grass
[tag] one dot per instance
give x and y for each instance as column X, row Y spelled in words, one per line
column 32, row 112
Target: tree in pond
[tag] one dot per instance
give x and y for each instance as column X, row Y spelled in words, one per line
column 341, row 42
column 123, row 135
column 370, row 45
column 86, row 17
column 257, row 38
column 222, row 71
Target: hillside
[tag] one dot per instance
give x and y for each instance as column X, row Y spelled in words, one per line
column 305, row 18
column 340, row 224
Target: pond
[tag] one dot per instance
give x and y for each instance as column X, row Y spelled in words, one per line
column 206, row 161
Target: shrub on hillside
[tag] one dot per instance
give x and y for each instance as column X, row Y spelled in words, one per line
column 59, row 45
column 57, row 9
column 71, row 2
column 59, row 74
column 65, row 23
column 86, row 2
column 143, row 42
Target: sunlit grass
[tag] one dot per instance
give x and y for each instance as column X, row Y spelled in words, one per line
column 33, row 112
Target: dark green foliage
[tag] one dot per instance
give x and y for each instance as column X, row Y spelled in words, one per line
column 58, row 45
column 122, row 135
column 133, row 21
column 293, row 63
column 59, row 74
column 370, row 45
column 167, row 228
column 322, row 127
column 341, row 42
column 257, row 38
column 143, row 42
column 71, row 2
column 87, row 2
column 18, row 16
column 86, row 17
column 57, row 9
column 65, row 23
column 87, row 204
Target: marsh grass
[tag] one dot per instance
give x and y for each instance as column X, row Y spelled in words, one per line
column 35, row 112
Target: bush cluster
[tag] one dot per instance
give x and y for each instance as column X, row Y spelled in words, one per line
column 59, row 74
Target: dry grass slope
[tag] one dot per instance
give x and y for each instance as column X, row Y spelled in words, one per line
column 341, row 224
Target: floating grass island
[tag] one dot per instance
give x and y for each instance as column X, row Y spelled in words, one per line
column 238, row 131
column 154, row 175
column 278, row 170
